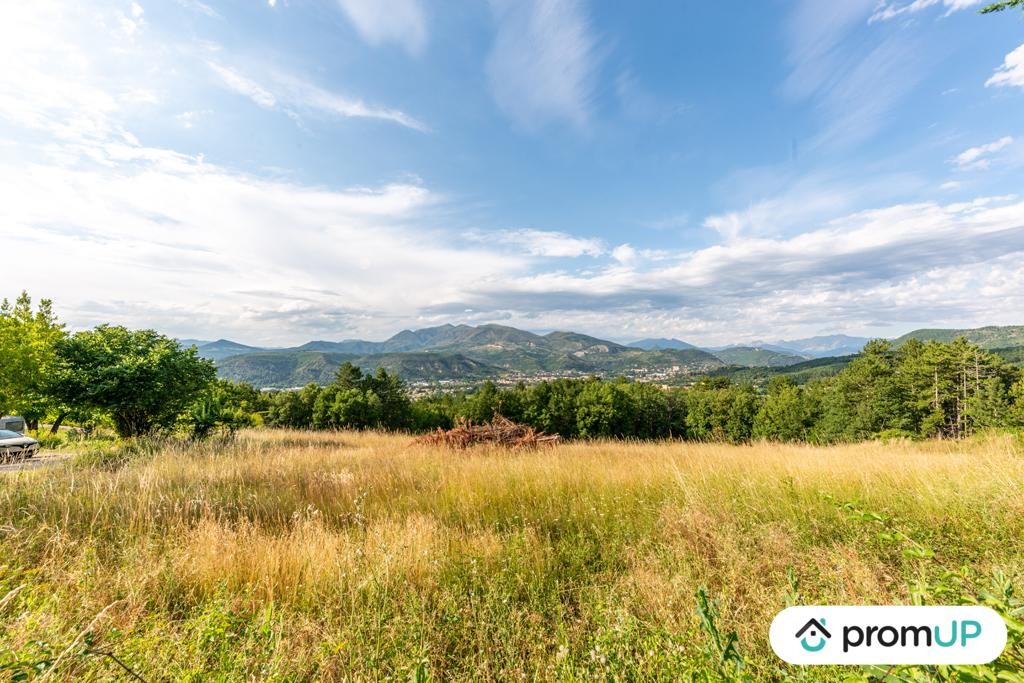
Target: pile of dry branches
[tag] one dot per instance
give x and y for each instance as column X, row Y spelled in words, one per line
column 500, row 431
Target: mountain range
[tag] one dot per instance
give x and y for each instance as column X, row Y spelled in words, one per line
column 454, row 352
column 461, row 353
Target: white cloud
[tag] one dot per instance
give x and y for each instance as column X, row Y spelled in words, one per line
column 908, row 263
column 201, row 7
column 624, row 254
column 131, row 21
column 978, row 158
column 244, row 86
column 135, row 224
column 787, row 204
column 189, row 119
column 815, row 31
column 856, row 83
column 950, row 185
column 305, row 95
column 1011, row 73
column 71, row 70
column 396, row 21
column 891, row 10
column 131, row 232
column 543, row 242
column 292, row 93
column 543, row 64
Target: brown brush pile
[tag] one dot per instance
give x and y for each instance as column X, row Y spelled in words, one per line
column 500, row 431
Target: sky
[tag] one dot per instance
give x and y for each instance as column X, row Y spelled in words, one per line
column 276, row 171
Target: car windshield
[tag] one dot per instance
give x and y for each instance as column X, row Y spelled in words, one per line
column 6, row 434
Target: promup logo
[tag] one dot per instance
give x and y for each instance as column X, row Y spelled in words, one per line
column 888, row 635
column 817, row 630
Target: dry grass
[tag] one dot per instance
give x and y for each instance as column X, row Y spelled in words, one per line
column 297, row 556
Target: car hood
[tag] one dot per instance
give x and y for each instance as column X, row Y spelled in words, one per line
column 19, row 441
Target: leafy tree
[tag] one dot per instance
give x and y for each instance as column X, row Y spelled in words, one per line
column 225, row 406
column 348, row 376
column 354, row 401
column 293, row 408
column 388, row 392
column 429, row 414
column 357, row 409
column 1017, row 403
column 718, row 410
column 784, row 414
column 991, row 406
column 866, row 398
column 323, row 415
column 28, row 342
column 603, row 409
column 1001, row 6
column 650, row 411
column 483, row 403
column 141, row 379
column 551, row 407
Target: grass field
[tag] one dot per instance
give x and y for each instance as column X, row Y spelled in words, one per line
column 344, row 556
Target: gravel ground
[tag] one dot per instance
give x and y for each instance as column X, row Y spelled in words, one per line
column 39, row 460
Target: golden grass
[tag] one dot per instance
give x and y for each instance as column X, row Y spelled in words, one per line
column 346, row 556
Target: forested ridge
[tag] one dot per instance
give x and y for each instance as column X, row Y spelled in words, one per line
column 919, row 389
column 140, row 382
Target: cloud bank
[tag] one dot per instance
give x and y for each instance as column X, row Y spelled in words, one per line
column 116, row 227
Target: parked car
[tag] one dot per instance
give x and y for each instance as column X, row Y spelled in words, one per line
column 14, row 446
column 15, row 423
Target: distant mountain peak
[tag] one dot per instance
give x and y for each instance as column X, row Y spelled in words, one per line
column 660, row 343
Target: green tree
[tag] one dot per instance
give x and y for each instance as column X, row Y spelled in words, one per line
column 991, row 406
column 650, row 411
column 28, row 343
column 395, row 409
column 225, row 406
column 293, row 408
column 430, row 413
column 551, row 406
column 356, row 409
column 357, row 401
column 348, row 376
column 142, row 380
column 483, row 403
column 603, row 409
column 718, row 410
column 1001, row 6
column 323, row 415
column 1016, row 414
column 784, row 414
column 866, row 398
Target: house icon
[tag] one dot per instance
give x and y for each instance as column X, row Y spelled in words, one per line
column 817, row 630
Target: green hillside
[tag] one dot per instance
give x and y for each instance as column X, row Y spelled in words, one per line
column 296, row 368
column 632, row 361
column 801, row 373
column 1012, row 354
column 991, row 337
column 281, row 369
column 753, row 357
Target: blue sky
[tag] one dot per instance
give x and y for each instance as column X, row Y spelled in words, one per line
column 280, row 171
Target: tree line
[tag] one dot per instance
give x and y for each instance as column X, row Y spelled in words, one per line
column 919, row 389
column 138, row 382
column 135, row 381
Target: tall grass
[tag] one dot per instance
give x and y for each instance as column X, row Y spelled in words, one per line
column 343, row 556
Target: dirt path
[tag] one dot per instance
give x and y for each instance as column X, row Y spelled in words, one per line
column 39, row 460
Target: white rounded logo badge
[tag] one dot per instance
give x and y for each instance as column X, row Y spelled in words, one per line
column 888, row 635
